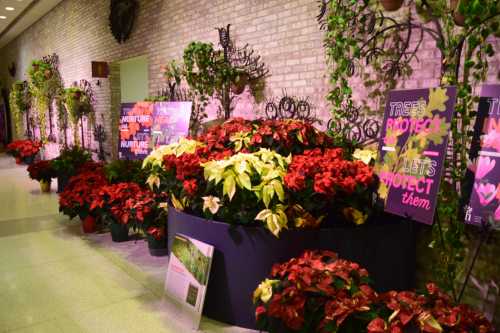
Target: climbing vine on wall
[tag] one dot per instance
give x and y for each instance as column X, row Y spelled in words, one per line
column 363, row 40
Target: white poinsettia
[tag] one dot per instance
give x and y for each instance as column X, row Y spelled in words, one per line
column 155, row 158
column 211, row 203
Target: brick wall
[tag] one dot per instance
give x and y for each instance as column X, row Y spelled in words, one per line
column 284, row 32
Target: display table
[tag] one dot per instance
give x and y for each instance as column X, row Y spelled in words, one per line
column 244, row 257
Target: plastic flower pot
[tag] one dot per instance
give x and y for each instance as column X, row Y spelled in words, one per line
column 62, row 181
column 157, row 247
column 45, row 185
column 119, row 232
column 29, row 160
column 89, row 225
column 391, row 5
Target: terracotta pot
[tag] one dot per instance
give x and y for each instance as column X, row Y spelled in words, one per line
column 458, row 18
column 391, row 5
column 45, row 185
column 89, row 225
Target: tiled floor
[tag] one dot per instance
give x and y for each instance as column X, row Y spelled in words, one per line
column 54, row 279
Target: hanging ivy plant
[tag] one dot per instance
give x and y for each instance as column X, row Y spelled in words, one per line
column 78, row 105
column 18, row 101
column 360, row 34
column 44, row 82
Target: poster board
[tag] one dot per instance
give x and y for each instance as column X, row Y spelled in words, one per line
column 412, row 150
column 187, row 278
column 484, row 201
column 147, row 125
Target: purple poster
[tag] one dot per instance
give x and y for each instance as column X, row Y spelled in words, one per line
column 484, row 203
column 412, row 150
column 146, row 125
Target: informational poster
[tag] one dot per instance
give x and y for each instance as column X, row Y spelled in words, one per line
column 135, row 130
column 484, row 203
column 187, row 278
column 170, row 122
column 412, row 150
column 147, row 125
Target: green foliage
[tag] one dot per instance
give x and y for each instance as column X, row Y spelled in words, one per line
column 352, row 25
column 18, row 101
column 78, row 105
column 125, row 171
column 69, row 160
column 206, row 70
column 44, row 84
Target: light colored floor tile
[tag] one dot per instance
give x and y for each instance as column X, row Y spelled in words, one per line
column 55, row 279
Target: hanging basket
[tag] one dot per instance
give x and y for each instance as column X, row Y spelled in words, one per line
column 391, row 5
column 45, row 185
column 458, row 18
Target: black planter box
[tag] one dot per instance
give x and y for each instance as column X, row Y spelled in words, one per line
column 244, row 257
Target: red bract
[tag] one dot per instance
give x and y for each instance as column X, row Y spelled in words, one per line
column 319, row 289
column 41, row 170
column 24, row 148
column 339, row 287
column 157, row 233
column 329, row 171
column 218, row 137
column 125, row 202
column 79, row 196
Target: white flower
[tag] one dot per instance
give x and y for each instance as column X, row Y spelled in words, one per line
column 211, row 203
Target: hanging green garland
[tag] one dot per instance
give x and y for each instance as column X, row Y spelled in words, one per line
column 78, row 105
column 18, row 101
column 44, row 82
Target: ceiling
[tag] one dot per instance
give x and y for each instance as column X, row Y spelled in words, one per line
column 22, row 14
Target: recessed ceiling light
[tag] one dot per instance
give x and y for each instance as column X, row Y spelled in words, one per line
column 2, row 17
column 9, row 8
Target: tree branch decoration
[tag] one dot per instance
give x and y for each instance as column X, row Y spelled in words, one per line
column 361, row 35
column 44, row 84
column 19, row 104
column 79, row 103
column 225, row 72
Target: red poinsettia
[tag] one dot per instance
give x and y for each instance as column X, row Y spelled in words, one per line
column 23, row 148
column 317, row 292
column 317, row 280
column 41, row 170
column 80, row 193
column 124, row 202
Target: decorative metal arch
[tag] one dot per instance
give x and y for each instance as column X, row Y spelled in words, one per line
column 356, row 127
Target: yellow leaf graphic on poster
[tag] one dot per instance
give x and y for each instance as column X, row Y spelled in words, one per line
column 383, row 191
column 437, row 136
column 437, row 100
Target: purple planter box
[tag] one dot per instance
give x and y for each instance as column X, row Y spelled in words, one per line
column 244, row 257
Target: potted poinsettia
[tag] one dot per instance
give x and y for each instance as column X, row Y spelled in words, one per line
column 79, row 195
column 42, row 172
column 24, row 150
column 67, row 164
column 319, row 292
